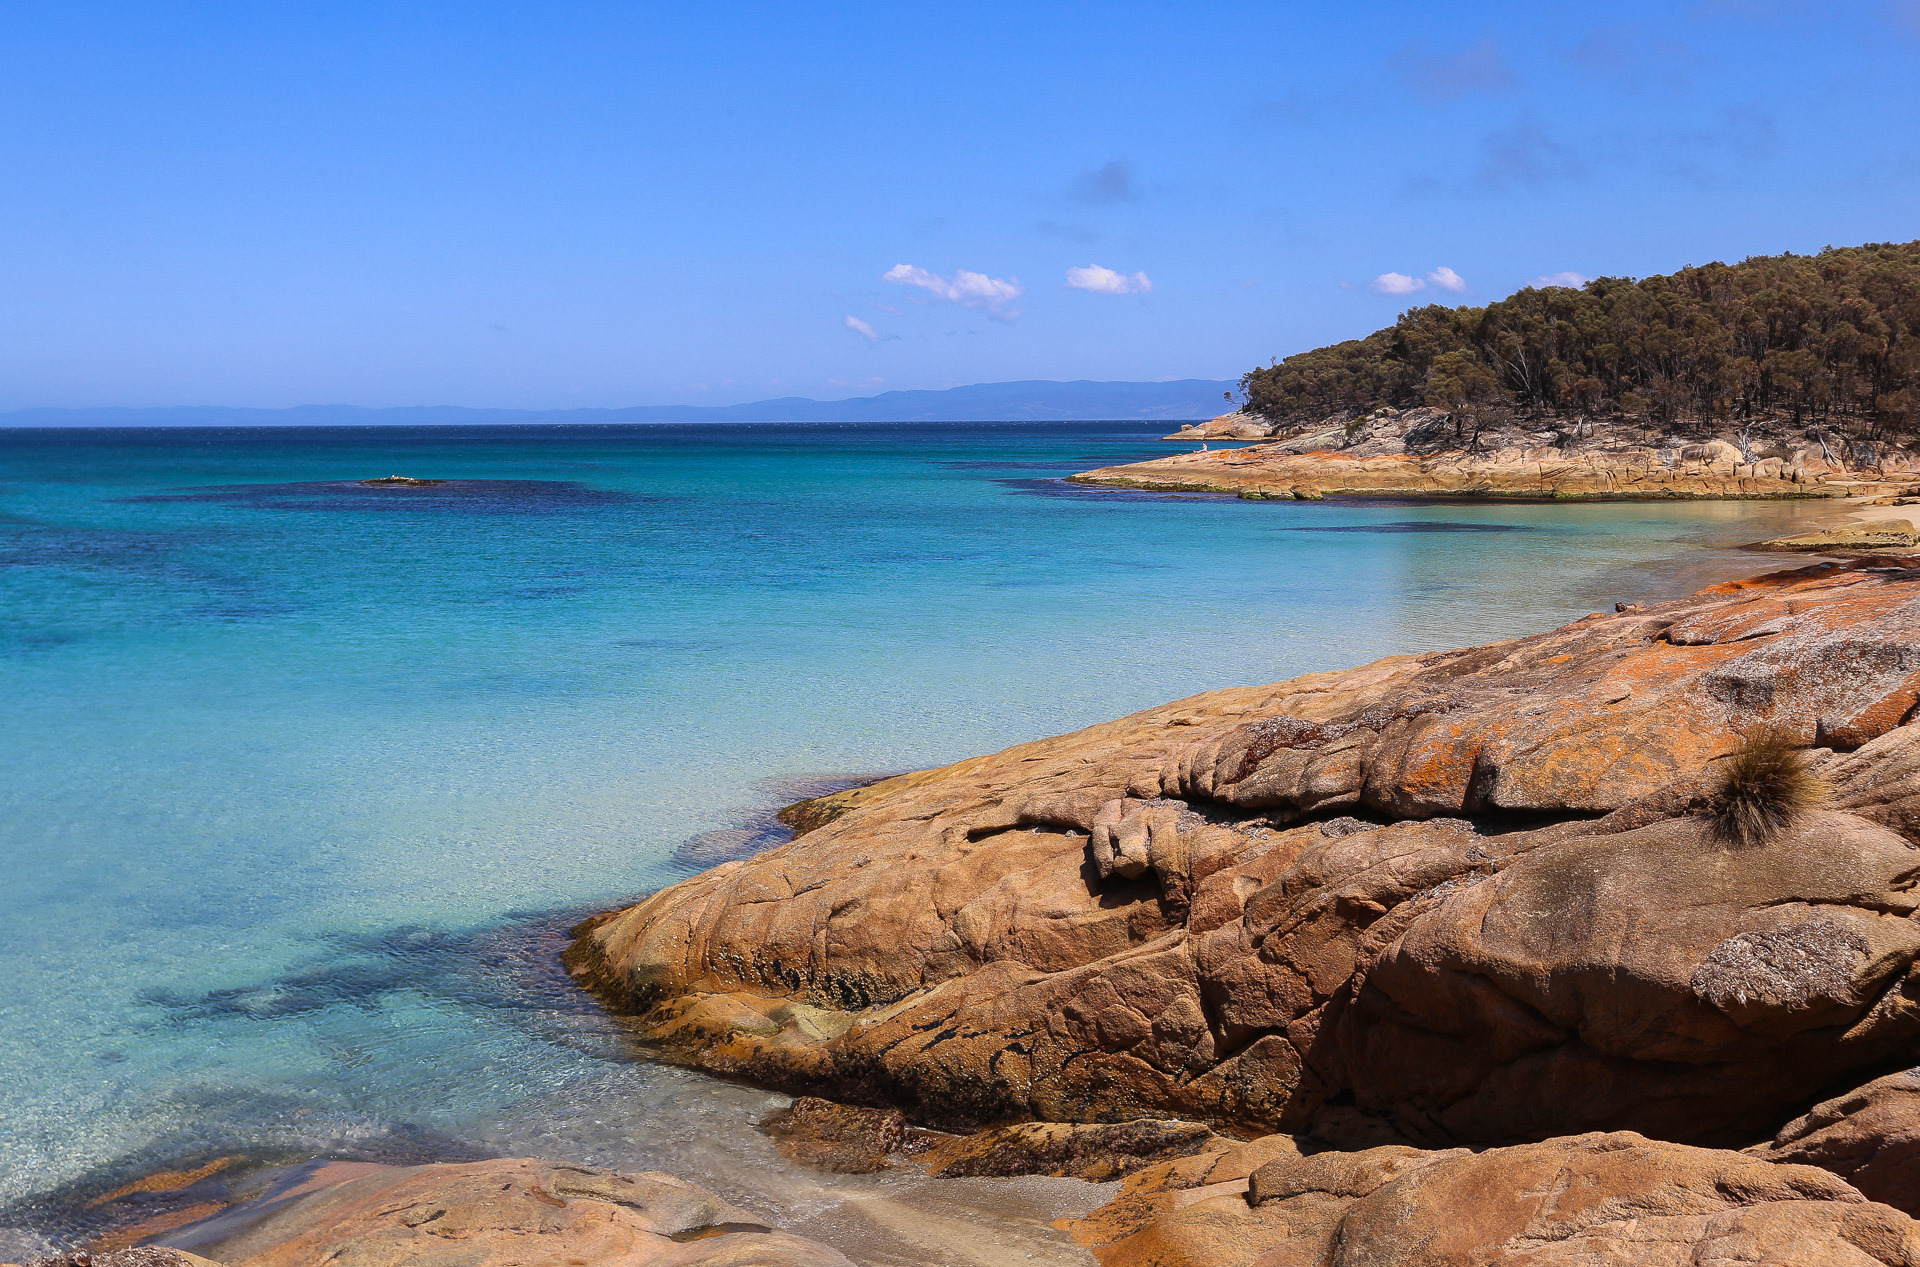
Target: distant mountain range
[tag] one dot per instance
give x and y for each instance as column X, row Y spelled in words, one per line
column 1035, row 400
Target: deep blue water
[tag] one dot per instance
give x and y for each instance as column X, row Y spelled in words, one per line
column 289, row 766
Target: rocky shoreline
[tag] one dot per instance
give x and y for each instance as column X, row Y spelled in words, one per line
column 1419, row 453
column 1439, row 926
column 1450, row 958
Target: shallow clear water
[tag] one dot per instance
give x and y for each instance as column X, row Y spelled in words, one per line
column 288, row 766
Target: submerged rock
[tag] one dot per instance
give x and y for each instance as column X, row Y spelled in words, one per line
column 1462, row 898
column 137, row 1256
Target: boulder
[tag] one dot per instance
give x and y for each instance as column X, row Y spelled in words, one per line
column 840, row 1138
column 137, row 1256
column 1873, row 534
column 1238, row 425
column 1098, row 1152
column 511, row 1212
column 1582, row 1200
column 847, row 1139
column 1461, row 898
column 1870, row 1137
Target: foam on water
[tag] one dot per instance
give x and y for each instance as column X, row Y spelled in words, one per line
column 301, row 777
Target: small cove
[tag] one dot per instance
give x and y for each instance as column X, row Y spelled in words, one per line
column 302, row 777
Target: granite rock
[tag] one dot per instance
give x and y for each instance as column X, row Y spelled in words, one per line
column 1583, row 1200
column 1461, row 898
column 1870, row 1137
column 515, row 1213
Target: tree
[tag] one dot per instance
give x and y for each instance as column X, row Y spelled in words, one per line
column 1460, row 384
column 1830, row 337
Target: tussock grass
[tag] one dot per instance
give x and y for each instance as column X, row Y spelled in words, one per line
column 1765, row 787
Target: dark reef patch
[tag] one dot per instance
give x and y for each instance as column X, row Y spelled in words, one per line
column 470, row 497
column 1062, row 488
column 1420, row 525
column 760, row 829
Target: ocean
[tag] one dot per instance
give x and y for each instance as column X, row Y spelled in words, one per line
column 300, row 780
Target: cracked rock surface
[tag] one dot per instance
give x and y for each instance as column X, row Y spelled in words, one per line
column 1417, row 453
column 510, row 1212
column 1579, row 1201
column 1464, row 898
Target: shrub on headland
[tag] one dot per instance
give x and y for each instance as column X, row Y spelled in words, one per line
column 1824, row 339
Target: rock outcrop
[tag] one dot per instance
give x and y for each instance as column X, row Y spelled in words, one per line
column 1873, row 535
column 1098, row 1152
column 1870, row 1137
column 1238, row 425
column 1416, row 453
column 1578, row 1201
column 843, row 1139
column 137, row 1256
column 512, row 1212
column 1461, row 898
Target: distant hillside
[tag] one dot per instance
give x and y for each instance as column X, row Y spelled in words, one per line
column 1832, row 338
column 1032, row 401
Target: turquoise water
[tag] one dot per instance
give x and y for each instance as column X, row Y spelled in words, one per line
column 297, row 778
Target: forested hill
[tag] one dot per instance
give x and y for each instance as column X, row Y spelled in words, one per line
column 1832, row 338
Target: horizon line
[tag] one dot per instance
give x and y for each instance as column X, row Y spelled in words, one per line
column 554, row 409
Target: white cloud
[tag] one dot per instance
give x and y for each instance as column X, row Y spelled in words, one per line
column 862, row 329
column 1574, row 280
column 1397, row 284
column 1104, row 281
column 1445, row 278
column 970, row 290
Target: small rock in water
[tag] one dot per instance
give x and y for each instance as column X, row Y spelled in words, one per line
column 399, row 481
column 834, row 1137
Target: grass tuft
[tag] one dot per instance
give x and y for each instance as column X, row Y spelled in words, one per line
column 1765, row 788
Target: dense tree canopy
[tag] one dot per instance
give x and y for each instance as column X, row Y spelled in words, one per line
column 1828, row 338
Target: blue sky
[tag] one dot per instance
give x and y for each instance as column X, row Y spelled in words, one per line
column 548, row 205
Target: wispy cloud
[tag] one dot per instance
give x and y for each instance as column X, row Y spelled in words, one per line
column 1067, row 229
column 969, row 290
column 1522, row 154
column 1444, row 278
column 862, row 329
column 1575, row 280
column 1456, row 73
column 1104, row 281
column 1396, row 284
column 1635, row 57
column 1110, row 183
column 1743, row 138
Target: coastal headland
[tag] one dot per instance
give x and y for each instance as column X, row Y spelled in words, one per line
column 1777, row 376
column 1417, row 453
column 1414, row 929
